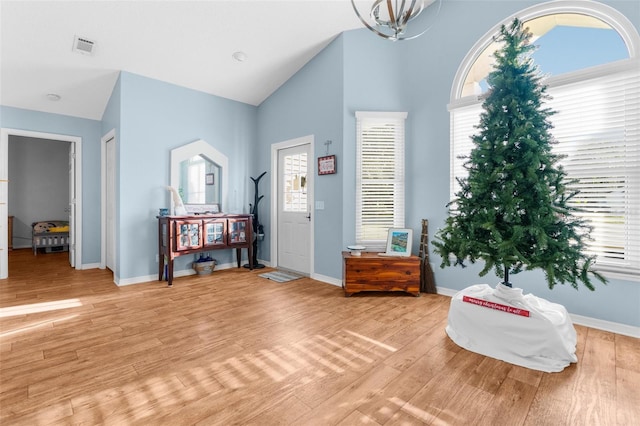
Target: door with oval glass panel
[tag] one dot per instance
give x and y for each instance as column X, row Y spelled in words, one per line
column 294, row 209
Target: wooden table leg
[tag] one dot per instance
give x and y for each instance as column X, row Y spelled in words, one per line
column 170, row 272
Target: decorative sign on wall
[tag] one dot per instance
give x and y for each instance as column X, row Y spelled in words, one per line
column 327, row 165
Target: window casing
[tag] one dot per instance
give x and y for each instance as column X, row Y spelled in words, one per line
column 379, row 176
column 597, row 129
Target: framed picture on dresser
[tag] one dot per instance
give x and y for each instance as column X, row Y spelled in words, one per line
column 399, row 242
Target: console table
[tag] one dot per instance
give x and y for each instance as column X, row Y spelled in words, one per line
column 181, row 235
column 372, row 272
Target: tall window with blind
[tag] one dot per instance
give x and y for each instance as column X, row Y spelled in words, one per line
column 379, row 176
column 597, row 130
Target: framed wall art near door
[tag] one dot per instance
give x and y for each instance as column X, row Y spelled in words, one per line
column 327, row 165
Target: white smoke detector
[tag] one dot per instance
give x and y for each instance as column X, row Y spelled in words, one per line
column 83, row 45
column 239, row 56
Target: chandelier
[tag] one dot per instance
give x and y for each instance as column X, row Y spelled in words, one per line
column 390, row 18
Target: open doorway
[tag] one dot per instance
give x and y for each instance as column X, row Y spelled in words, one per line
column 70, row 147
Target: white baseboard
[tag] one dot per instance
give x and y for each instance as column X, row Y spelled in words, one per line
column 137, row 280
column 176, row 274
column 446, row 291
column 89, row 266
column 613, row 327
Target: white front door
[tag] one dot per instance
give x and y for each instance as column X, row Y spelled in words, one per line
column 294, row 210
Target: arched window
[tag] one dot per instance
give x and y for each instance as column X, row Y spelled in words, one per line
column 588, row 53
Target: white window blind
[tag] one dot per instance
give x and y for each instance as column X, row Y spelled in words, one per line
column 597, row 128
column 379, row 176
column 463, row 122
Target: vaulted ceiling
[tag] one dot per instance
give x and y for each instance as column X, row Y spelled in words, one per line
column 188, row 43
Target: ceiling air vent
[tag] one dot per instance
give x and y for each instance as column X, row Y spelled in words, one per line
column 83, row 45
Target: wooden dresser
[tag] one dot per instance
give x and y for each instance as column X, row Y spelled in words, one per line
column 372, row 272
column 183, row 235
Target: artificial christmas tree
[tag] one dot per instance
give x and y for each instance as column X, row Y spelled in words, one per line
column 513, row 211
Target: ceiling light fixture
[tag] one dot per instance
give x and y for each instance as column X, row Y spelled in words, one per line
column 239, row 56
column 53, row 97
column 390, row 18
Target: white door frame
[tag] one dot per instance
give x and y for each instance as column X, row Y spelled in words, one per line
column 274, row 194
column 103, row 199
column 4, row 194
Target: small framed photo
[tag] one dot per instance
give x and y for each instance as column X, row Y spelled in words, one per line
column 327, row 165
column 399, row 241
column 209, row 178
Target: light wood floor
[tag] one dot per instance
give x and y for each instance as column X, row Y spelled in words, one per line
column 234, row 348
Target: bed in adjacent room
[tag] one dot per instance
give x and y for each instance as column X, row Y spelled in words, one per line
column 50, row 235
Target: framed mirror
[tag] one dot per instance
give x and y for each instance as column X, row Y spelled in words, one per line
column 199, row 181
column 199, row 173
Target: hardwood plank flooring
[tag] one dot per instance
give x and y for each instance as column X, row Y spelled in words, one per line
column 234, row 348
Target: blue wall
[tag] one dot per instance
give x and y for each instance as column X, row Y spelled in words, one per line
column 435, row 58
column 310, row 103
column 150, row 118
column 157, row 117
column 89, row 131
column 414, row 76
column 372, row 82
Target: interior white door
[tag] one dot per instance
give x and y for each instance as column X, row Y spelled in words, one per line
column 294, row 210
column 110, row 201
column 72, row 204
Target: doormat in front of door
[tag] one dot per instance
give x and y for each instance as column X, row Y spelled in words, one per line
column 280, row 276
